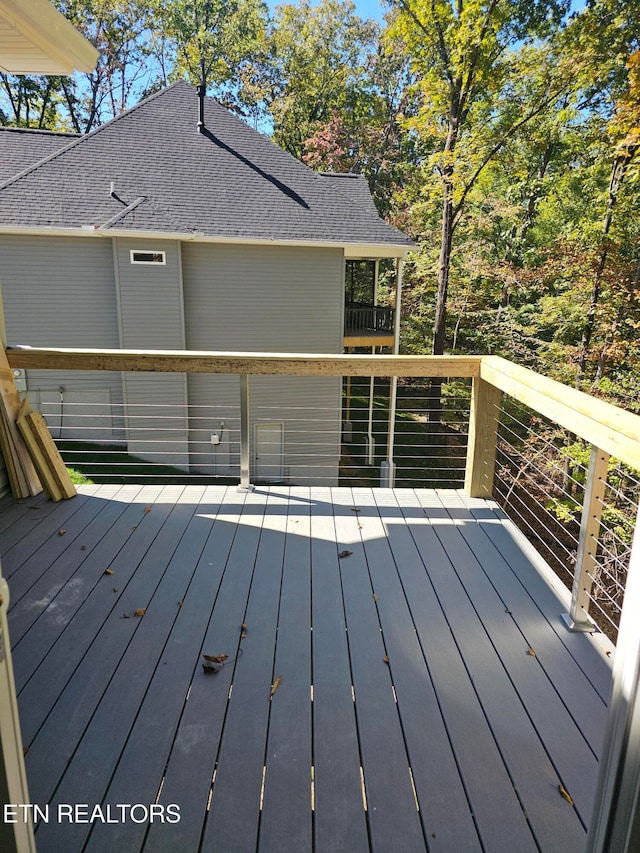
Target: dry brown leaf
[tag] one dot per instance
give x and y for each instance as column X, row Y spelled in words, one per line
column 61, row 532
column 531, row 652
column 564, row 793
column 275, row 685
column 375, row 597
column 147, row 509
column 108, row 571
column 216, row 658
column 386, row 658
column 343, row 554
column 140, row 611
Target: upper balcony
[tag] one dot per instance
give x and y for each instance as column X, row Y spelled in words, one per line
column 368, row 325
column 399, row 668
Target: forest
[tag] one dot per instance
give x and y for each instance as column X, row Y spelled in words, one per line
column 501, row 135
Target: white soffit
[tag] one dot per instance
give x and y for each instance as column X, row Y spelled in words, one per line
column 37, row 39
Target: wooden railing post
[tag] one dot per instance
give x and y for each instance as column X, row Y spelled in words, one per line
column 483, row 438
column 615, row 822
column 594, row 494
column 245, row 485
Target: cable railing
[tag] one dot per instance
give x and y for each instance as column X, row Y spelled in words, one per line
column 563, row 465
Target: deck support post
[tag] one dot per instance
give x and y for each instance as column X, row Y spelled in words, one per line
column 388, row 468
column 245, row 485
column 483, row 439
column 615, row 824
column 578, row 617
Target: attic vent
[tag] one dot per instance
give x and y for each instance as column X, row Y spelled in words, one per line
column 148, row 257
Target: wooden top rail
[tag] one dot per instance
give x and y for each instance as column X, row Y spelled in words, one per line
column 298, row 364
column 603, row 425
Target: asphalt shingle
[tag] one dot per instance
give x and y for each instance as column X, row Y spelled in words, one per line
column 226, row 182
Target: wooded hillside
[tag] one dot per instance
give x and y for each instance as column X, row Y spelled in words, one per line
column 502, row 135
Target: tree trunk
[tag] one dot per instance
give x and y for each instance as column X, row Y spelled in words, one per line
column 618, row 173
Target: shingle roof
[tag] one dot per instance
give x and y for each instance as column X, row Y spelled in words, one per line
column 227, row 182
column 22, row 147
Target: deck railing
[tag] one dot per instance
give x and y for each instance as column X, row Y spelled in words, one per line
column 497, row 431
column 368, row 318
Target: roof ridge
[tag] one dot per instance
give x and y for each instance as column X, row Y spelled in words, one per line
column 85, row 136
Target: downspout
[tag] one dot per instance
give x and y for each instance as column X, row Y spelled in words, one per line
column 388, row 472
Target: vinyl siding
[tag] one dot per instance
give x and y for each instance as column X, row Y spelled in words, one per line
column 59, row 291
column 257, row 299
column 150, row 313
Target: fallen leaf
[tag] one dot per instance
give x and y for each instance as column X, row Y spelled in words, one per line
column 360, row 526
column 375, row 597
column 275, row 686
column 147, row 509
column 344, row 554
column 243, row 627
column 386, row 658
column 135, row 527
column 140, row 611
column 61, row 532
column 216, row 658
column 564, row 793
column 531, row 652
column 210, row 668
column 108, row 571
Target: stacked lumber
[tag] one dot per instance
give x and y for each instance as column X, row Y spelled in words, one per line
column 44, row 454
column 23, row 478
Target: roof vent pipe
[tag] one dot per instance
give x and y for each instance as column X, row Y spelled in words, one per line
column 201, row 94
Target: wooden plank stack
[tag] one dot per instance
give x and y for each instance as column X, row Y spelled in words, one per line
column 30, row 455
column 44, row 454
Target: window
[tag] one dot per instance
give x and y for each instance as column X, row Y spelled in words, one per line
column 148, row 257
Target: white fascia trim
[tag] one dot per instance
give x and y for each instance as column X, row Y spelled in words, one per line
column 351, row 250
column 50, row 33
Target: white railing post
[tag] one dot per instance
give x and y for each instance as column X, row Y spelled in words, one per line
column 615, row 824
column 245, row 485
column 594, row 494
column 482, row 441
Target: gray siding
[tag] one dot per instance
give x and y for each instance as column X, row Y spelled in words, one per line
column 265, row 299
column 151, row 317
column 60, row 292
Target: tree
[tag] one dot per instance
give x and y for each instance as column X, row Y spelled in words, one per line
column 464, row 54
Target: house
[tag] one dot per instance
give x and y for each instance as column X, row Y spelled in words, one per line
column 177, row 226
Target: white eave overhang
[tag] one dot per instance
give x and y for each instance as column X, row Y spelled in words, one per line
column 36, row 39
column 351, row 250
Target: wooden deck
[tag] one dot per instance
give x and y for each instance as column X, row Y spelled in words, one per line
column 429, row 696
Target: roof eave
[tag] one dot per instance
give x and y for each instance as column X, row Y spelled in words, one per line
column 351, row 249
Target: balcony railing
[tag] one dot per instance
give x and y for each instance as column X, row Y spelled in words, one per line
column 359, row 319
column 515, row 419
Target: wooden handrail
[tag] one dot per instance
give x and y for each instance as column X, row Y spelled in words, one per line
column 190, row 361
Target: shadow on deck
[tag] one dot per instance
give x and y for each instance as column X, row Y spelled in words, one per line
column 428, row 694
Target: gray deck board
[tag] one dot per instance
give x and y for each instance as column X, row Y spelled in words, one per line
column 340, row 819
column 286, row 821
column 457, row 743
